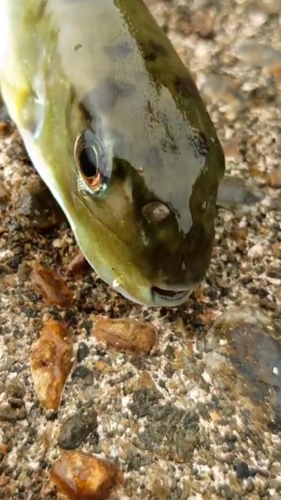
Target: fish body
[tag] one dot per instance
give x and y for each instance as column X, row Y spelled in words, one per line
column 114, row 124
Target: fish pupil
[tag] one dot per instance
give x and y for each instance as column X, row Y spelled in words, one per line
column 88, row 162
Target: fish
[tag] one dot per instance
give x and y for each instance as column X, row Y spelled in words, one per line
column 114, row 124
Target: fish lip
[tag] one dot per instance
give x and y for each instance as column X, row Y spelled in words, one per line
column 169, row 297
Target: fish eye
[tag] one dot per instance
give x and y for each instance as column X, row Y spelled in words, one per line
column 91, row 162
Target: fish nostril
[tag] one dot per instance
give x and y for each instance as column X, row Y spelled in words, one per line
column 155, row 211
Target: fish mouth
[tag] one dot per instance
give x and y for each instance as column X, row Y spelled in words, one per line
column 171, row 297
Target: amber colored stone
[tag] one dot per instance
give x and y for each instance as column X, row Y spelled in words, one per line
column 81, row 476
column 52, row 358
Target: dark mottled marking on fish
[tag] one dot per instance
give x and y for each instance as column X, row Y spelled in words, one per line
column 150, row 110
column 153, row 158
column 169, row 143
column 200, row 145
column 186, row 87
column 152, row 50
column 108, row 94
column 119, row 51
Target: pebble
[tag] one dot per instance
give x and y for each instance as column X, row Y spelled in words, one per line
column 82, row 351
column 35, row 202
column 126, row 335
column 81, row 476
column 76, row 428
column 242, row 470
column 52, row 358
column 223, row 88
column 203, row 23
column 242, row 359
column 270, row 6
column 8, row 413
column 15, row 388
column 235, row 195
column 274, row 178
column 4, row 197
column 257, row 54
column 51, row 286
column 83, row 372
column 79, row 266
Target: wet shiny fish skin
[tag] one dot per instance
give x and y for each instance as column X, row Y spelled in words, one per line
column 106, row 66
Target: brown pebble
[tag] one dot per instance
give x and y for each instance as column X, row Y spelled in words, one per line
column 51, row 361
column 5, row 128
column 255, row 171
column 126, row 335
column 34, row 201
column 231, row 148
column 275, row 71
column 81, row 476
column 276, row 249
column 51, row 285
column 203, row 23
column 274, row 178
column 8, row 414
column 79, row 266
column 4, row 197
column 23, row 272
column 240, row 233
column 278, row 294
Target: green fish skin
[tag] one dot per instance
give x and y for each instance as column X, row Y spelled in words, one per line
column 114, row 124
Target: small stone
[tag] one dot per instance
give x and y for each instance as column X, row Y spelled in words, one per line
column 158, row 483
column 272, row 7
column 255, row 171
column 15, row 388
column 76, row 428
column 203, row 23
column 258, row 54
column 274, row 272
column 276, row 249
column 235, row 195
column 278, row 294
column 4, row 197
column 242, row 358
column 5, row 128
column 79, row 266
column 51, row 286
column 51, row 361
column 22, row 414
column 82, row 372
column 225, row 89
column 240, row 233
column 23, row 272
column 275, row 71
column 231, row 148
column 274, row 178
column 8, row 414
column 81, row 476
column 182, row 21
column 250, row 485
column 242, row 470
column 35, row 202
column 82, row 351
column 126, row 335
column 15, row 402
